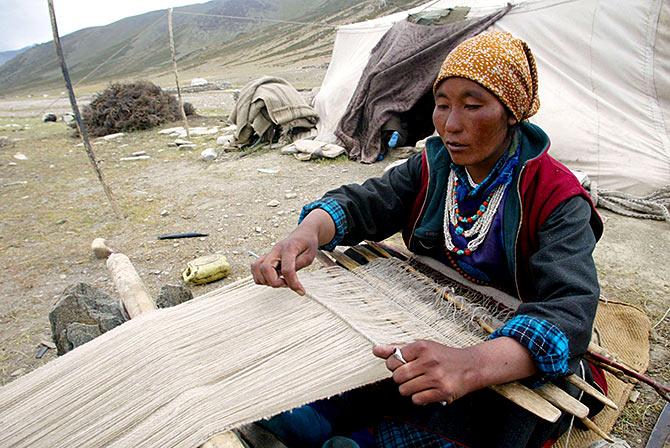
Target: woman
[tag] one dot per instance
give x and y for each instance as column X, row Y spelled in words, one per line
column 486, row 199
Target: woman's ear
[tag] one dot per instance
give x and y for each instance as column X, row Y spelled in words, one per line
column 511, row 121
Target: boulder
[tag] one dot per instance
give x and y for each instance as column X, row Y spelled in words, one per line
column 85, row 311
column 171, row 295
column 79, row 334
column 49, row 117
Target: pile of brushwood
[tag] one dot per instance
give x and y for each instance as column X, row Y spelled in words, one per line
column 133, row 106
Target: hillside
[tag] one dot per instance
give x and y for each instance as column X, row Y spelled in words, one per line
column 138, row 46
column 8, row 55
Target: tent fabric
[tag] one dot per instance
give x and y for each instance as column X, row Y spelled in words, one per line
column 604, row 74
column 384, row 89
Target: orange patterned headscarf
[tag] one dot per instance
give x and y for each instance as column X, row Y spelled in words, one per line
column 502, row 64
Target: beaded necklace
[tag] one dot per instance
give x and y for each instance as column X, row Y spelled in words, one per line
column 480, row 222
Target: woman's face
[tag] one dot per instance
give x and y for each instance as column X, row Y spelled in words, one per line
column 473, row 125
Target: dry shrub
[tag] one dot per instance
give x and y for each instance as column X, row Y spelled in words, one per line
column 124, row 107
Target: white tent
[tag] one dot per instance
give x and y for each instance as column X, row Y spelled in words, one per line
column 604, row 72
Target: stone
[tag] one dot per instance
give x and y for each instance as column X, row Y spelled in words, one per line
column 48, row 344
column 203, row 130
column 225, row 140
column 85, row 306
column 79, row 334
column 134, row 158
column 49, row 118
column 268, row 170
column 20, row 156
column 164, row 212
column 191, row 146
column 181, row 141
column 209, row 154
column 195, row 82
column 171, row 295
column 273, row 203
column 171, row 130
column 112, row 136
column 290, row 195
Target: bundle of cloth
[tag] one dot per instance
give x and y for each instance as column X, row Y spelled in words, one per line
column 268, row 108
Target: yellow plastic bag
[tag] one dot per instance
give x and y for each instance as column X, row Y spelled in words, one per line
column 207, row 269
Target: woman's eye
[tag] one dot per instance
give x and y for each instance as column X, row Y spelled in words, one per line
column 472, row 106
column 442, row 106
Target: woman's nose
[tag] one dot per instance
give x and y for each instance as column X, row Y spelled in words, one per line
column 453, row 121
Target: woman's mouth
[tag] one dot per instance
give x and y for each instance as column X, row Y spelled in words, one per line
column 455, row 146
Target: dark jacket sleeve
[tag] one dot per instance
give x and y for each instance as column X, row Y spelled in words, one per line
column 564, row 274
column 379, row 207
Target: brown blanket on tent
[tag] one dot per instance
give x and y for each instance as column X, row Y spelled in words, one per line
column 401, row 70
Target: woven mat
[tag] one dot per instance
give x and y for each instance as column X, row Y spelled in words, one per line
column 624, row 330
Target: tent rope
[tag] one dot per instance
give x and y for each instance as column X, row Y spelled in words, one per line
column 655, row 205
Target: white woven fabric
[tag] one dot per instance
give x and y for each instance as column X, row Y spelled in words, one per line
column 177, row 376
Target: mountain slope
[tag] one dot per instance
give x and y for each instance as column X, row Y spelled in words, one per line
column 138, row 46
column 8, row 55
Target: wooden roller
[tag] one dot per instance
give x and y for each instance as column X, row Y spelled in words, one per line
column 133, row 293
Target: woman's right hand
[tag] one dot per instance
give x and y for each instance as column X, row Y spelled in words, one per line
column 279, row 267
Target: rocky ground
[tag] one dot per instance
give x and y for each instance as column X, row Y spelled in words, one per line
column 52, row 207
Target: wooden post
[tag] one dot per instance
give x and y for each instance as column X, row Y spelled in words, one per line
column 130, row 286
column 75, row 110
column 176, row 76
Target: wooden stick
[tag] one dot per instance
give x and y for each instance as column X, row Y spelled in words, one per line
column 562, row 400
column 528, row 400
column 347, row 262
column 376, row 246
column 581, row 384
column 176, row 76
column 608, row 364
column 593, row 427
column 325, row 259
column 132, row 291
column 75, row 110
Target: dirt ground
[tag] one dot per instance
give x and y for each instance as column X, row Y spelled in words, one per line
column 52, row 207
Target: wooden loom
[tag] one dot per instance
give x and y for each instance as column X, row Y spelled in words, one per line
column 206, row 386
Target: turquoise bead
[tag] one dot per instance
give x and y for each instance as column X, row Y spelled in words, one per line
column 482, row 208
column 459, row 230
column 460, row 252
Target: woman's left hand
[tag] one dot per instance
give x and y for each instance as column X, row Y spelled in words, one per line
column 433, row 372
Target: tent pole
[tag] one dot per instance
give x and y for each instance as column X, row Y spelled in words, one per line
column 75, row 110
column 176, row 77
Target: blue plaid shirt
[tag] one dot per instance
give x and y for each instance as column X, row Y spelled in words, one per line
column 336, row 213
column 547, row 344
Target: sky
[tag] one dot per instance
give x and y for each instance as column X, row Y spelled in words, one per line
column 26, row 22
